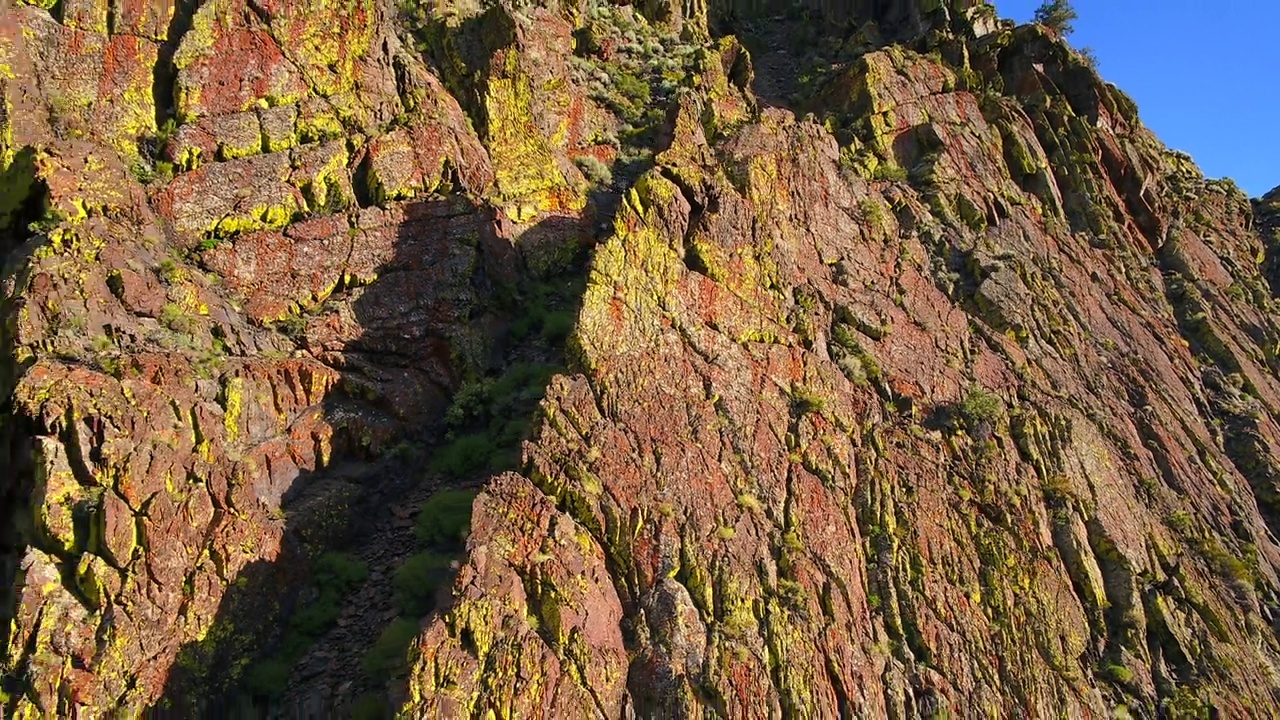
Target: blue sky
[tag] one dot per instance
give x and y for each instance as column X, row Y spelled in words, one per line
column 1203, row 73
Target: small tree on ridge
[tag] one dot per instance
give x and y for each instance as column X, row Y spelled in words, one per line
column 1058, row 15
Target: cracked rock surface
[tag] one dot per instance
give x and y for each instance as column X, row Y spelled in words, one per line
column 806, row 359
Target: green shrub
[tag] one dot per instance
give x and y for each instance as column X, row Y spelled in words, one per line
column 524, row 325
column 740, row 622
column 465, row 457
column 594, row 169
column 175, row 318
column 541, row 309
column 1088, row 57
column 1118, row 674
column 557, row 325
column 486, row 452
column 874, row 214
column 1186, row 704
column 980, row 406
column 405, row 451
column 889, row 171
column 632, row 88
column 806, row 400
column 525, row 381
column 148, row 173
column 293, row 327
column 340, row 569
column 1057, row 491
column 506, row 437
column 417, row 581
column 310, row 621
column 445, row 518
column 164, row 132
column 267, row 679
column 496, row 412
column 482, row 401
column 791, row 593
column 851, row 366
column 389, row 653
column 51, row 219
column 170, row 271
column 1228, row 565
column 334, row 576
column 470, row 402
column 1180, row 521
column 142, row 172
column 110, row 365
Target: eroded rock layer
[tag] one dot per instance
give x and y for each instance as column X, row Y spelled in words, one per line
column 911, row 375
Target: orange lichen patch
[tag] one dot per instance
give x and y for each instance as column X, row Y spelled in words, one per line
column 604, row 153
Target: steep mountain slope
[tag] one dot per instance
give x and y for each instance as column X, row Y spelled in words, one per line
column 910, row 374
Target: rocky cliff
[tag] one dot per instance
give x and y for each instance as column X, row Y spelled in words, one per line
column 579, row 358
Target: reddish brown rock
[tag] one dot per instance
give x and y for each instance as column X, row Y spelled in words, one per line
column 958, row 397
column 144, row 18
column 207, row 85
column 237, row 134
column 277, row 273
column 560, row 648
column 90, row 15
column 161, row 428
column 81, row 64
column 849, row 444
column 140, row 293
column 231, row 197
column 326, row 41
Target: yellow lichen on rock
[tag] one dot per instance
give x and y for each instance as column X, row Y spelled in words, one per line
column 529, row 181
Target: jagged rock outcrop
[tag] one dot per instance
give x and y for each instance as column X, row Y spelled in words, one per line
column 932, row 415
column 154, row 419
column 936, row 386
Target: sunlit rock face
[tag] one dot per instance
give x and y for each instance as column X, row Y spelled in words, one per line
column 803, row 359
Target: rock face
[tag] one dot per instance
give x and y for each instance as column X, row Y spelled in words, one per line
column 934, row 386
